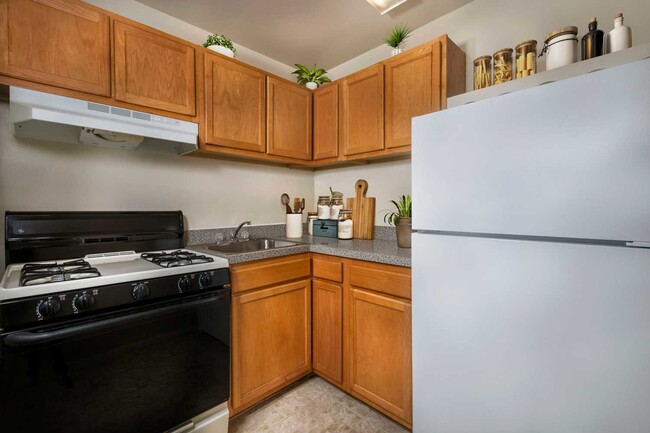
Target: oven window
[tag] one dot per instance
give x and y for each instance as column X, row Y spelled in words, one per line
column 146, row 377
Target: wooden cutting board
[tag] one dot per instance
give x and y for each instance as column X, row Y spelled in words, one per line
column 363, row 212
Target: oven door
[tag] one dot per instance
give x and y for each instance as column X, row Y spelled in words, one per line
column 144, row 371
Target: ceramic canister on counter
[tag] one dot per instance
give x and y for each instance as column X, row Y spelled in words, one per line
column 561, row 47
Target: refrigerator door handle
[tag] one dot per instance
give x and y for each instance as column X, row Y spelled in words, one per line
column 638, row 244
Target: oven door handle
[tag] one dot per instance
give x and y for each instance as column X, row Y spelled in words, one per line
column 29, row 338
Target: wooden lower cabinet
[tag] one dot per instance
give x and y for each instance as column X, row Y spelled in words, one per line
column 328, row 330
column 379, row 354
column 369, row 304
column 271, row 330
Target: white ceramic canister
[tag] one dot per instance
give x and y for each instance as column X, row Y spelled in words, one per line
column 561, row 47
column 294, row 225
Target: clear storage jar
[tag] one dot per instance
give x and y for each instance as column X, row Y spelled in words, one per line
column 311, row 217
column 324, row 210
column 502, row 66
column 335, row 208
column 482, row 72
column 345, row 227
column 526, row 58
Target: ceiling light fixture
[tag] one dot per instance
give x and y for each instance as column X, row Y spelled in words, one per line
column 385, row 5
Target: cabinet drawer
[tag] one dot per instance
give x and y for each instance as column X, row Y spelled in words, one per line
column 328, row 269
column 391, row 280
column 268, row 272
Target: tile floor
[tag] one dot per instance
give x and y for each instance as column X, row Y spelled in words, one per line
column 314, row 406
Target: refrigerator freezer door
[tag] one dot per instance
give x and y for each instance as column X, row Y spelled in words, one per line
column 567, row 159
column 519, row 336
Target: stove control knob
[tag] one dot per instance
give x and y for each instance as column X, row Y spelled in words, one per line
column 84, row 302
column 140, row 292
column 49, row 308
column 184, row 284
column 205, row 280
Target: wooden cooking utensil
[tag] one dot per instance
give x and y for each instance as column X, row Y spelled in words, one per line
column 285, row 201
column 363, row 212
column 302, row 205
column 296, row 205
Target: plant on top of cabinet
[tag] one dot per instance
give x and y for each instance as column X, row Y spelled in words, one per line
column 396, row 38
column 221, row 45
column 401, row 219
column 311, row 77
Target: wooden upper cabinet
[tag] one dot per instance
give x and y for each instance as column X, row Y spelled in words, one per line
column 362, row 111
column 235, row 109
column 326, row 122
column 380, row 352
column 271, row 340
column 328, row 330
column 154, row 70
column 56, row 42
column 288, row 119
column 413, row 88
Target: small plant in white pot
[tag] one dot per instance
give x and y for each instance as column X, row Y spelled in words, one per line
column 221, row 45
column 401, row 219
column 396, row 38
column 311, row 77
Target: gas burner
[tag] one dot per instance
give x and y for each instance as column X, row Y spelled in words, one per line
column 33, row 274
column 176, row 258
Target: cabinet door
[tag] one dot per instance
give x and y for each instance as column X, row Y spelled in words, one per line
column 380, row 352
column 326, row 122
column 153, row 70
column 413, row 86
column 56, row 42
column 328, row 330
column 271, row 340
column 362, row 111
column 288, row 121
column 235, row 104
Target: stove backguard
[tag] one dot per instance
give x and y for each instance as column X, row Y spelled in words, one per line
column 40, row 236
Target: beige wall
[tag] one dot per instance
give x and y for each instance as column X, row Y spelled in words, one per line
column 480, row 27
column 212, row 193
column 484, row 26
column 166, row 23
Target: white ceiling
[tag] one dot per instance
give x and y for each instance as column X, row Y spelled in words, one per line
column 326, row 32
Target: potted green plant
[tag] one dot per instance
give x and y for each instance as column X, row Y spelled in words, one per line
column 221, row 45
column 401, row 219
column 396, row 38
column 311, row 77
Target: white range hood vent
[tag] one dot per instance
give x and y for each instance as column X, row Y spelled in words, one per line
column 44, row 116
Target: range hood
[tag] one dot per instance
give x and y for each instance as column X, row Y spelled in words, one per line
column 44, row 116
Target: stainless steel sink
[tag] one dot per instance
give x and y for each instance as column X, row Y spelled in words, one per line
column 250, row 246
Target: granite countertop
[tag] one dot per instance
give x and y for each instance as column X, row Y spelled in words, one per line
column 378, row 250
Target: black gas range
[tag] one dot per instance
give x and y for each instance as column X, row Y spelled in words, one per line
column 107, row 324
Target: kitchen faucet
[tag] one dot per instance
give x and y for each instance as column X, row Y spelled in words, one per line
column 235, row 236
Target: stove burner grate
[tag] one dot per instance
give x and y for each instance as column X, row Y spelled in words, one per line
column 33, row 274
column 176, row 258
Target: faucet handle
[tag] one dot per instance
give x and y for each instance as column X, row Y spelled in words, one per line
column 244, row 235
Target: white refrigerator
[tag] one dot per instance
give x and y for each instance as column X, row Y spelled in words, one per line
column 531, row 260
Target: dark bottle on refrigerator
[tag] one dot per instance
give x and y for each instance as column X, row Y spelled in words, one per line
column 593, row 42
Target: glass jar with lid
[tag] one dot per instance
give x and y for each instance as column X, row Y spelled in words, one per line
column 482, row 72
column 324, row 210
column 311, row 217
column 502, row 66
column 345, row 224
column 526, row 58
column 335, row 207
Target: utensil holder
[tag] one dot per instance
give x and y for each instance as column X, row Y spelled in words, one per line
column 294, row 225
